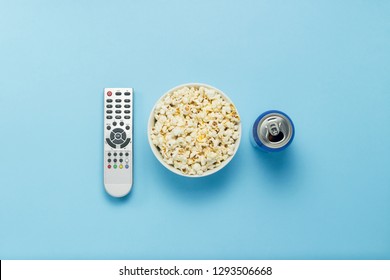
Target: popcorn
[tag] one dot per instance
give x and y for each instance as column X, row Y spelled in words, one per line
column 195, row 129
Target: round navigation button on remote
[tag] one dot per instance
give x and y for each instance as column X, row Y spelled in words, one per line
column 121, row 166
column 127, row 127
column 114, row 123
column 121, row 154
column 108, row 127
column 127, row 166
column 109, row 154
column 109, row 93
column 115, row 166
column 122, row 123
column 112, row 135
column 115, row 154
column 117, row 141
column 109, row 166
column 118, row 130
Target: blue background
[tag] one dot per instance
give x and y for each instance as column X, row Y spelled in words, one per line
column 324, row 63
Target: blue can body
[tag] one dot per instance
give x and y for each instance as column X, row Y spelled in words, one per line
column 255, row 138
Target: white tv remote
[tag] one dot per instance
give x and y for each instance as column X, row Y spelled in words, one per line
column 118, row 141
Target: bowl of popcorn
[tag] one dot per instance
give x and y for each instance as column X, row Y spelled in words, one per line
column 194, row 130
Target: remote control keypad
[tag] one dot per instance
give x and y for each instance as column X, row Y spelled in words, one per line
column 116, row 161
column 120, row 136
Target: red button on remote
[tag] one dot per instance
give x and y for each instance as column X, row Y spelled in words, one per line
column 109, row 93
column 109, row 166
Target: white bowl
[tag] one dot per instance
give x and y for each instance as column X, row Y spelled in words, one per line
column 156, row 151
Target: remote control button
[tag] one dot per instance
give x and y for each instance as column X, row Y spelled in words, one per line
column 127, row 154
column 109, row 93
column 118, row 93
column 118, row 136
column 127, row 105
column 127, row 117
column 109, row 100
column 118, row 117
column 127, row 111
column 109, row 117
column 118, row 141
column 127, row 100
column 110, row 143
column 118, row 100
column 121, row 166
column 109, row 111
column 125, row 143
column 109, row 106
column 109, row 154
column 109, row 166
column 118, row 111
column 118, row 130
column 120, row 154
column 118, row 106
column 127, row 93
column 122, row 123
column 109, row 160
column 115, row 154
column 121, row 160
column 127, row 127
column 115, row 166
column 127, row 160
column 114, row 123
column 115, row 160
column 108, row 127
column 127, row 166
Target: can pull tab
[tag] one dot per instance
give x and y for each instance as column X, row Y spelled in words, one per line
column 273, row 128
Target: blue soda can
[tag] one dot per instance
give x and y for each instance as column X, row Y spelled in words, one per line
column 272, row 131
